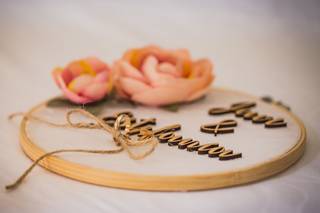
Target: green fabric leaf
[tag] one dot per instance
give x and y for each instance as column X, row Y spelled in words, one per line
column 171, row 107
column 175, row 107
column 60, row 102
column 95, row 108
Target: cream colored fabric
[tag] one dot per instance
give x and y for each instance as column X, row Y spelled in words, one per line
column 260, row 48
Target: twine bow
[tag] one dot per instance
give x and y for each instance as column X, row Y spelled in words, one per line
column 120, row 137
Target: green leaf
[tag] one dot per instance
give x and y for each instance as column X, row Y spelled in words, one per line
column 96, row 110
column 60, row 102
column 202, row 98
column 126, row 102
column 95, row 107
column 175, row 107
column 171, row 107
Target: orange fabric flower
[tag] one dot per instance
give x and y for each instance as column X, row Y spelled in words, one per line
column 155, row 76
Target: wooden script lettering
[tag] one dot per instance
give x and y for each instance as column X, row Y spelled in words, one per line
column 243, row 109
column 168, row 135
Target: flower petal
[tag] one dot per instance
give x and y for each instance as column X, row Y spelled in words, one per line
column 130, row 71
column 155, row 78
column 66, row 76
column 101, row 77
column 202, row 67
column 95, row 91
column 79, row 83
column 132, row 86
column 168, row 68
column 96, row 64
column 75, row 69
column 71, row 95
column 160, row 96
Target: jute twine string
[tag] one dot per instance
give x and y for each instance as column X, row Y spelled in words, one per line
column 120, row 138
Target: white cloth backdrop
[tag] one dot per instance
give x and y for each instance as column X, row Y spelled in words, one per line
column 261, row 47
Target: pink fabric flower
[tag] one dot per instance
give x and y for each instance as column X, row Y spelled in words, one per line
column 155, row 76
column 84, row 81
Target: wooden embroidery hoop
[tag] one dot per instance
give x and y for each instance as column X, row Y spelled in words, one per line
column 124, row 180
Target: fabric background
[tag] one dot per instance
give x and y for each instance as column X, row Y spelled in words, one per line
column 260, row 47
